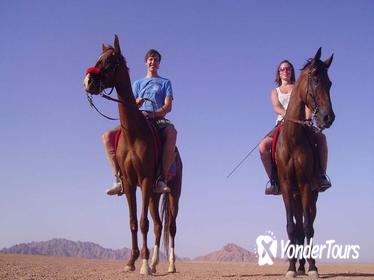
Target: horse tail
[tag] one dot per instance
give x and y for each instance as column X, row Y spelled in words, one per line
column 167, row 213
column 165, row 219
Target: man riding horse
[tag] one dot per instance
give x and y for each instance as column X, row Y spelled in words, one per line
column 154, row 96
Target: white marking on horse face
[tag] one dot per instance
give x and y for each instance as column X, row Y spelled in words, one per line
column 85, row 81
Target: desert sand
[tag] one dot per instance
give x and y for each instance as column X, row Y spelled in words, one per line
column 27, row 267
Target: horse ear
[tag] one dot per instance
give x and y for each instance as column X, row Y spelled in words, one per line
column 117, row 48
column 104, row 48
column 318, row 54
column 328, row 61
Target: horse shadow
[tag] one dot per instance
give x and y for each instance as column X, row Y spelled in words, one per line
column 348, row 275
column 323, row 276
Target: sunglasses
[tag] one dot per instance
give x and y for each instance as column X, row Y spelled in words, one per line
column 288, row 69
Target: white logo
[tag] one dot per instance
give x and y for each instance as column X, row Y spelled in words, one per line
column 266, row 248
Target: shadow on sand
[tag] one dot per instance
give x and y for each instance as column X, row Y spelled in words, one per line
column 348, row 275
column 323, row 276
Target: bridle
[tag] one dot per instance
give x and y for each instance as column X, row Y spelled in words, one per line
column 100, row 72
column 310, row 91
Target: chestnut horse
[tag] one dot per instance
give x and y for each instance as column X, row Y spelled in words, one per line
column 295, row 155
column 137, row 160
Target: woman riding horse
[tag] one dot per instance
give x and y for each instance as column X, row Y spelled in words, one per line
column 295, row 156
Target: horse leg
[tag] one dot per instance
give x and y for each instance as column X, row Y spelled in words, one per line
column 300, row 236
column 291, row 229
column 131, row 201
column 173, row 206
column 308, row 199
column 144, row 227
column 153, row 207
column 313, row 206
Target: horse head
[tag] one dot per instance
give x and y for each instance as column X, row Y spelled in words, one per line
column 104, row 74
column 317, row 95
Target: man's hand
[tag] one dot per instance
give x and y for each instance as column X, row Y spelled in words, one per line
column 149, row 115
column 139, row 101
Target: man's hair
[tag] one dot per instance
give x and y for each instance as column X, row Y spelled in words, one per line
column 152, row 53
column 277, row 77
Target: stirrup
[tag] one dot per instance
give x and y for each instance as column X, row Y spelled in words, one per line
column 325, row 183
column 161, row 186
column 272, row 188
column 115, row 189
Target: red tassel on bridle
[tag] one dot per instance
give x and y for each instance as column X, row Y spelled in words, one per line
column 93, row 70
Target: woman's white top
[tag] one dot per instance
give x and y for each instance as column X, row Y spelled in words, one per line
column 284, row 99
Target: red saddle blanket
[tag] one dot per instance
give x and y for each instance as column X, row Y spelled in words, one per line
column 275, row 140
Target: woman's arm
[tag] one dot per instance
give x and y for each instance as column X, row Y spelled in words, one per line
column 277, row 106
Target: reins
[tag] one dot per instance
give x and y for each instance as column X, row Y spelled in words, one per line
column 90, row 101
column 107, row 96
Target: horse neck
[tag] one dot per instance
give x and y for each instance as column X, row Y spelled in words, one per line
column 296, row 111
column 129, row 114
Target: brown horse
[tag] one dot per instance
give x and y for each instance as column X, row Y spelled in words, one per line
column 296, row 158
column 137, row 160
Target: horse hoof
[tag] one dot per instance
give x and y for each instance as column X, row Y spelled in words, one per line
column 129, row 268
column 290, row 274
column 300, row 272
column 145, row 269
column 313, row 274
column 153, row 269
column 172, row 270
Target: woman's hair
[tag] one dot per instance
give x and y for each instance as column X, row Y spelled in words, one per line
column 277, row 77
column 152, row 53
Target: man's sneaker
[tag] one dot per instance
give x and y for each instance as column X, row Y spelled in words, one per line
column 115, row 189
column 161, row 187
column 324, row 184
column 272, row 188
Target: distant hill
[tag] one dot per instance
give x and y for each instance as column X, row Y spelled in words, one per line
column 229, row 253
column 68, row 248
column 89, row 250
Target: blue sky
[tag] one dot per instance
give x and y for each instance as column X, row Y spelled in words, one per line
column 221, row 58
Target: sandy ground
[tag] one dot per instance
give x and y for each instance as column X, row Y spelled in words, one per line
column 27, row 267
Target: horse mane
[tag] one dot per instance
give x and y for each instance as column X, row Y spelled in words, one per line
column 307, row 64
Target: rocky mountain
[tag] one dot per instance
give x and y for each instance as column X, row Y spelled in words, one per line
column 68, row 248
column 229, row 253
column 89, row 250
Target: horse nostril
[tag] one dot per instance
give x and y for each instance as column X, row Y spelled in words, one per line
column 329, row 119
